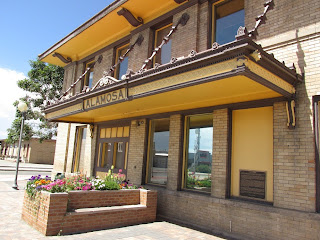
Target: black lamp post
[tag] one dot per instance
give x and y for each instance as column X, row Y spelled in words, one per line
column 22, row 107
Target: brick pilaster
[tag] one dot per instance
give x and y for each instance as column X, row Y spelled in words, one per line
column 220, row 153
column 175, row 146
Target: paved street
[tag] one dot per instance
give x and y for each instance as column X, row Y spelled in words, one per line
column 13, row 228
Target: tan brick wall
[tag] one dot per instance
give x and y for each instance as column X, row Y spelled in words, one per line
column 105, row 65
column 41, row 152
column 185, row 38
column 287, row 15
column 136, row 151
column 220, row 153
column 174, row 154
column 61, row 150
column 68, row 76
column 236, row 219
column 294, row 172
column 202, row 37
column 140, row 53
column 294, row 149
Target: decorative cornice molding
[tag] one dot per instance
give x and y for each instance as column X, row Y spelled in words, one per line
column 106, row 80
column 135, row 22
column 62, row 58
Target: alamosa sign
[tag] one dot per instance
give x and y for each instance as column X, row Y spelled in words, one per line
column 106, row 98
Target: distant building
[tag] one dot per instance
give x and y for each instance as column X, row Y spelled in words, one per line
column 32, row 151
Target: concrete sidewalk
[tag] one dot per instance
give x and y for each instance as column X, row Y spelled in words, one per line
column 13, row 228
column 7, row 165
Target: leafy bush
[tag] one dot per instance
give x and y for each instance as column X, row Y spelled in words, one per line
column 202, row 168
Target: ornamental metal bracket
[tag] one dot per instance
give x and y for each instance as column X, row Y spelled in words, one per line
column 91, row 128
column 62, row 58
column 135, row 22
column 182, row 21
column 291, row 114
column 261, row 19
column 138, row 41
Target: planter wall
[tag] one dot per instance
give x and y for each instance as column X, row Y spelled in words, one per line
column 83, row 211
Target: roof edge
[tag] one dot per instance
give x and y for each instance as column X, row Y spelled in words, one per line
column 115, row 4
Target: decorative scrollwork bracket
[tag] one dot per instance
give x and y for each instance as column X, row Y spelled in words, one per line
column 135, row 22
column 291, row 114
column 62, row 58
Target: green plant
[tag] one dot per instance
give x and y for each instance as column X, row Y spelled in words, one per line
column 112, row 186
column 202, row 168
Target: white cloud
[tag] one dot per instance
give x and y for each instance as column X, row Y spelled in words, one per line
column 8, row 94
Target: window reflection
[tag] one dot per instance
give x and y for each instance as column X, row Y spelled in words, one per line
column 163, row 56
column 123, row 66
column 199, row 152
column 158, row 151
column 89, row 75
column 228, row 18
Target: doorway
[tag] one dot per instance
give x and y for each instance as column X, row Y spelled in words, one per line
column 113, row 145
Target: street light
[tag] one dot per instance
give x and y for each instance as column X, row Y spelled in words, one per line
column 22, row 107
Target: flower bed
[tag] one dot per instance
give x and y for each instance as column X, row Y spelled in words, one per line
column 78, row 182
column 80, row 204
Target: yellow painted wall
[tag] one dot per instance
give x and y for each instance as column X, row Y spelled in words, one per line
column 252, row 146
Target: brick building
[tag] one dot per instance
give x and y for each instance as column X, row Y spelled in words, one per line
column 32, row 151
column 200, row 101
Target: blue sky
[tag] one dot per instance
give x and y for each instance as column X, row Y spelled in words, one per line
column 28, row 28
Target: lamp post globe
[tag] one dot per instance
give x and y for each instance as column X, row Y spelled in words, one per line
column 22, row 107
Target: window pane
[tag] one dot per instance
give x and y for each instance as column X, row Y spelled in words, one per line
column 90, row 79
column 119, row 156
column 106, row 151
column 158, row 151
column 229, row 17
column 78, row 158
column 164, row 56
column 199, row 152
column 89, row 75
column 166, row 52
column 123, row 66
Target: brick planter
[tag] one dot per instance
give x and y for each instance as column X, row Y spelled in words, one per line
column 83, row 211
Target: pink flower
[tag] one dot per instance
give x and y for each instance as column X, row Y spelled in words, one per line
column 120, row 170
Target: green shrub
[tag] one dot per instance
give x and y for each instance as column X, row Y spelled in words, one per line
column 202, row 168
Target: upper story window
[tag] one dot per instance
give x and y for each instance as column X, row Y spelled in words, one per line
column 123, row 65
column 88, row 80
column 163, row 56
column 227, row 17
